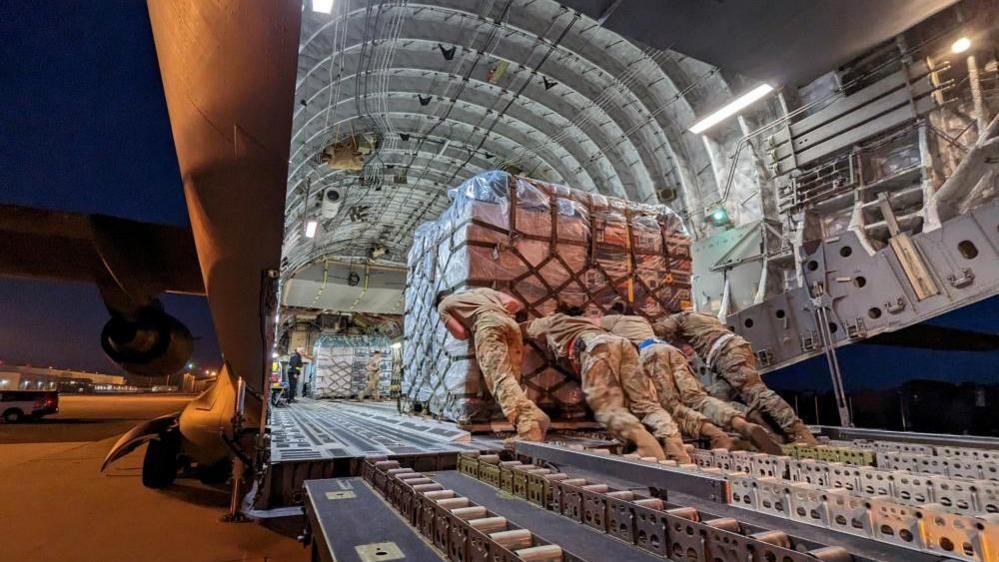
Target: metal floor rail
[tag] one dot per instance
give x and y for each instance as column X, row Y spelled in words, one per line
column 313, row 439
column 587, row 514
column 762, row 483
column 313, row 430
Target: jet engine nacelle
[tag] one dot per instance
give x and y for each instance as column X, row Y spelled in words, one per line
column 153, row 343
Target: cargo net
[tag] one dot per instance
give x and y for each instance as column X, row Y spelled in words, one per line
column 544, row 244
column 341, row 365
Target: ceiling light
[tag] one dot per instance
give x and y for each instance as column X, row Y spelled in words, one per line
column 322, row 6
column 718, row 217
column 310, row 229
column 731, row 109
column 961, row 45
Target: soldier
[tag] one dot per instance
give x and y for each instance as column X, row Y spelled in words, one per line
column 612, row 382
column 681, row 393
column 732, row 357
column 488, row 316
column 374, row 368
column 295, row 364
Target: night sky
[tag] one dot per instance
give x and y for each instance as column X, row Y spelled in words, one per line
column 84, row 128
column 866, row 366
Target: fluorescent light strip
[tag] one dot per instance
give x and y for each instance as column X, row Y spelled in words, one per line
column 310, row 229
column 731, row 109
column 322, row 6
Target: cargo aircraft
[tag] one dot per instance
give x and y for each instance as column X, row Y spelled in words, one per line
column 229, row 76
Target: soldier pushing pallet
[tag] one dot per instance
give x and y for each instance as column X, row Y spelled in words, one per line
column 732, row 357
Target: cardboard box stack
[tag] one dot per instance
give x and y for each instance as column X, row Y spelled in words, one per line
column 544, row 244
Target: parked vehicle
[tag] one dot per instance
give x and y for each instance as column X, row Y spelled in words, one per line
column 19, row 404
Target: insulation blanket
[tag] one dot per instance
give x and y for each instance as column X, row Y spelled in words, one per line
column 544, row 244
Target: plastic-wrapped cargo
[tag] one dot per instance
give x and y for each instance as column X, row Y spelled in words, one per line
column 341, row 365
column 333, row 376
column 543, row 244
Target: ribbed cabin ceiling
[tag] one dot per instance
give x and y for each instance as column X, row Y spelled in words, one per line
column 452, row 88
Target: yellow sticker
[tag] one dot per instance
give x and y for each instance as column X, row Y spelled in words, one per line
column 379, row 551
column 344, row 495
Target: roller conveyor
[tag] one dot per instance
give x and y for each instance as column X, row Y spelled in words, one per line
column 552, row 527
column 342, row 513
column 882, row 513
column 322, row 439
column 870, row 496
column 512, row 516
column 565, row 511
column 315, row 439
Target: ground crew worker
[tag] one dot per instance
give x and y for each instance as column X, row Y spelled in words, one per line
column 295, row 365
column 612, row 382
column 681, row 393
column 732, row 357
column 374, row 370
column 488, row 316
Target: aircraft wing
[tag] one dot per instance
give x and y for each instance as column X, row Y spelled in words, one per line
column 142, row 259
column 228, row 72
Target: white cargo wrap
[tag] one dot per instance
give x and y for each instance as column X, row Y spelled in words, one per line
column 543, row 244
column 341, row 365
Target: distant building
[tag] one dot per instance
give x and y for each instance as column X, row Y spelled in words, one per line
column 191, row 384
column 26, row 377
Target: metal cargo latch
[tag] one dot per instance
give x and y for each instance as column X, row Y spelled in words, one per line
column 765, row 357
column 808, row 341
column 966, row 278
column 377, row 551
column 857, row 330
column 896, row 306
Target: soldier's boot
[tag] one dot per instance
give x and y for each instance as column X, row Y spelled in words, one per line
column 676, row 451
column 754, row 416
column 543, row 420
column 801, row 434
column 645, row 444
column 719, row 439
column 532, row 425
column 756, row 435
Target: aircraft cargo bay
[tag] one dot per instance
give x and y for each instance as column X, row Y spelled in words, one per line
column 500, row 280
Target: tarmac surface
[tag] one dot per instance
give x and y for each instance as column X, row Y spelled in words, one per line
column 58, row 506
column 92, row 417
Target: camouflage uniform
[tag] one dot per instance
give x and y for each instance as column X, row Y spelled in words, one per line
column 737, row 364
column 608, row 366
column 499, row 351
column 682, row 393
column 679, row 391
column 720, row 389
column 641, row 393
column 733, row 359
column 373, row 366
